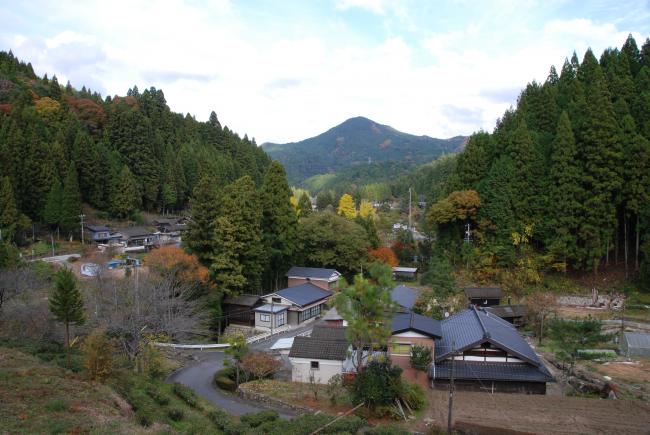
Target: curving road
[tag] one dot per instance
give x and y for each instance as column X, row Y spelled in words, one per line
column 198, row 376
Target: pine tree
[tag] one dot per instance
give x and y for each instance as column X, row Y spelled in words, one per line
column 304, row 205
column 70, row 201
column 225, row 269
column 599, row 141
column 636, row 186
column 279, row 224
column 52, row 211
column 9, row 215
column 205, row 206
column 346, row 207
column 66, row 304
column 566, row 193
column 126, row 198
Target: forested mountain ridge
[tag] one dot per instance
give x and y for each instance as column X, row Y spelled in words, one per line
column 357, row 141
column 59, row 145
column 565, row 174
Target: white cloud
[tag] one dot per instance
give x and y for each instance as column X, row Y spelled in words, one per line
column 299, row 82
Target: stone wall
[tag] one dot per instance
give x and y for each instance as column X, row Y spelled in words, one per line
column 272, row 401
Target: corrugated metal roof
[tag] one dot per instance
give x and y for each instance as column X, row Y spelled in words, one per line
column 304, row 294
column 637, row 340
column 490, row 371
column 313, row 272
column 404, row 296
column 271, row 308
column 410, row 321
column 473, row 326
column 483, row 292
column 405, row 269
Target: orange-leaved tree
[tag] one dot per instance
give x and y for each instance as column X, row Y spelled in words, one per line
column 384, row 255
column 174, row 260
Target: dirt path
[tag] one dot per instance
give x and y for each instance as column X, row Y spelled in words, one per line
column 542, row 414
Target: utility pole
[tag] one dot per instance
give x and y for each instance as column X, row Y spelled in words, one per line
column 272, row 314
column 451, row 388
column 81, row 218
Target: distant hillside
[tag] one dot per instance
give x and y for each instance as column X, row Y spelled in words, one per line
column 357, row 141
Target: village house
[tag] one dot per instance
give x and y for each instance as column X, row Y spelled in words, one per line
column 406, row 273
column 100, row 233
column 291, row 306
column 238, row 310
column 327, row 279
column 488, row 355
column 408, row 330
column 320, row 356
column 483, row 296
column 137, row 239
column 171, row 229
column 512, row 313
column 404, row 296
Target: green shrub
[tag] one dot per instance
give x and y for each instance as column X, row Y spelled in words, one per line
column 143, row 418
column 225, row 383
column 257, row 418
column 224, row 423
column 57, row 405
column 228, row 372
column 412, row 394
column 377, row 384
column 175, row 414
column 185, row 394
column 156, row 395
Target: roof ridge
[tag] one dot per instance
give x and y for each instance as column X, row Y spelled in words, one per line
column 486, row 333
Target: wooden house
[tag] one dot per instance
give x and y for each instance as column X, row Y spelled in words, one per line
column 327, row 279
column 405, row 273
column 239, row 309
column 291, row 306
column 486, row 353
column 483, row 296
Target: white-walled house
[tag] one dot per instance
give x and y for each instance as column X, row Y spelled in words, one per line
column 291, row 306
column 320, row 356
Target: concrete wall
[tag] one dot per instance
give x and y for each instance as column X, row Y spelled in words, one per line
column 301, row 368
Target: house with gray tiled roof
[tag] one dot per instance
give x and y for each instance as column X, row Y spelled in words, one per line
column 291, row 306
column 324, row 278
column 319, row 356
column 488, row 355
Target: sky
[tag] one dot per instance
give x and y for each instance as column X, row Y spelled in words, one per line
column 283, row 71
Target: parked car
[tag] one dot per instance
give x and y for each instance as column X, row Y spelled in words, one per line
column 115, row 264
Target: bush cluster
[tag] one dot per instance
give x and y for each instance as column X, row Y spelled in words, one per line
column 258, row 418
column 185, row 394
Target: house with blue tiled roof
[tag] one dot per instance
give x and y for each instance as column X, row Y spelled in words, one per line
column 291, row 306
column 324, row 278
column 486, row 353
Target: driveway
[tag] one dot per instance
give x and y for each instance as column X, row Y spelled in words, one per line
column 198, row 376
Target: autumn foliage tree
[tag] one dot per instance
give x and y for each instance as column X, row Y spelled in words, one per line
column 260, row 364
column 346, row 207
column 384, row 255
column 175, row 261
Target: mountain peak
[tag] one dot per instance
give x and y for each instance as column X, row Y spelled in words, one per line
column 355, row 141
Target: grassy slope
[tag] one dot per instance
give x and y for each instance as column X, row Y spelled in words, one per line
column 39, row 398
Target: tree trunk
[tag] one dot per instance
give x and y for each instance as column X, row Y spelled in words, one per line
column 636, row 250
column 67, row 344
column 607, row 253
column 625, row 242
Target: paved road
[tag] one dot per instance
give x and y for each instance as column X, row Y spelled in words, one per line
column 198, row 376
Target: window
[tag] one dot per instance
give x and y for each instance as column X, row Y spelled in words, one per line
column 276, row 300
column 265, row 317
column 401, row 349
column 314, row 365
column 309, row 313
column 280, row 319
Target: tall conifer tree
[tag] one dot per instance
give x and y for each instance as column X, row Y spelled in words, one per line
column 70, row 201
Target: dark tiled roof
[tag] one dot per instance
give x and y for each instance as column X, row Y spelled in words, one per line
column 332, row 315
column 404, row 296
column 97, row 228
column 312, row 272
column 136, row 232
column 329, row 333
column 483, row 292
column 410, row 321
column 490, row 371
column 246, row 300
column 304, row 294
column 308, row 347
column 472, row 327
column 508, row 310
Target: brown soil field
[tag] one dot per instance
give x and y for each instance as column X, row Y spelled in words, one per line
column 637, row 371
column 539, row 414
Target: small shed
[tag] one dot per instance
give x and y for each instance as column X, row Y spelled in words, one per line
column 484, row 296
column 408, row 273
column 513, row 313
column 239, row 309
column 635, row 344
